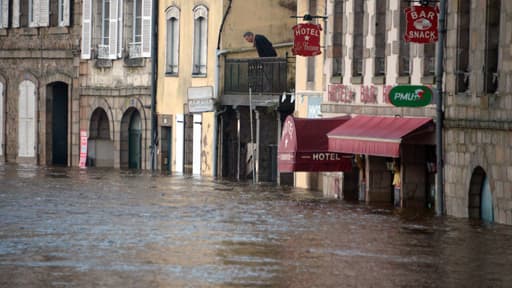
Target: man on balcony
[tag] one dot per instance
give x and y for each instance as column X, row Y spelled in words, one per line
column 262, row 44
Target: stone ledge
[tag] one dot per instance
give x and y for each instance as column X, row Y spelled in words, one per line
column 477, row 124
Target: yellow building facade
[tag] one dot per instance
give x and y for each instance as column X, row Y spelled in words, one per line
column 194, row 40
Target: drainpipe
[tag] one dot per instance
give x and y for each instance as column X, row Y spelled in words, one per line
column 218, row 54
column 439, row 110
column 154, row 71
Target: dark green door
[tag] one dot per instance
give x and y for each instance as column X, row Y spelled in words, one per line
column 60, row 124
column 134, row 142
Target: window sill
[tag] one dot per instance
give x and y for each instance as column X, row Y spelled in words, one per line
column 3, row 32
column 171, row 74
column 134, row 62
column 58, row 30
column 337, row 79
column 356, row 80
column 198, row 75
column 403, row 79
column 428, row 79
column 379, row 79
column 103, row 63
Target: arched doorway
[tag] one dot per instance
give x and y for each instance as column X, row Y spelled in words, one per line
column 131, row 140
column 100, row 151
column 480, row 197
column 57, row 113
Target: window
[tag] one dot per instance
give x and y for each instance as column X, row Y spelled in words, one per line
column 1, row 118
column 492, row 45
column 462, row 64
column 429, row 59
column 110, row 29
column 173, row 37
column 200, row 40
column 140, row 45
column 380, row 38
column 357, row 58
column 337, row 39
column 404, row 65
column 4, row 14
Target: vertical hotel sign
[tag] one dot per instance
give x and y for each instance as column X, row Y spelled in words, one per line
column 83, row 148
column 306, row 39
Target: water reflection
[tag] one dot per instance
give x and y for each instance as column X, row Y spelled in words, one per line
column 62, row 227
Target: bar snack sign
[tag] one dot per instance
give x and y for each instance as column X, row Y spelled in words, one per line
column 421, row 23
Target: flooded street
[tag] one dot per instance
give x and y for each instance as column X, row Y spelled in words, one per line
column 65, row 227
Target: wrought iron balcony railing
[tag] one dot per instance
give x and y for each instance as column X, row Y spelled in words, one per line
column 262, row 75
column 135, row 50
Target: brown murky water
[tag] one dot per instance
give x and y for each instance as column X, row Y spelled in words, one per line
column 63, row 227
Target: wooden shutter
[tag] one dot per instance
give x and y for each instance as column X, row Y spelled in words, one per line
column 112, row 37
column 65, row 13
column 146, row 28
column 44, row 13
column 15, row 13
column 86, row 28
column 5, row 14
column 26, row 120
column 120, row 30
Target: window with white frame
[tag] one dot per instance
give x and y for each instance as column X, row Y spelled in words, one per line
column 110, row 28
column 140, row 43
column 4, row 14
column 200, row 40
column 173, row 38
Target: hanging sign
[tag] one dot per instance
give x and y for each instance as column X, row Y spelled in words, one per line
column 306, row 39
column 421, row 23
column 410, row 96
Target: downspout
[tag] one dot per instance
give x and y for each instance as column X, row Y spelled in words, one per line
column 218, row 54
column 154, row 71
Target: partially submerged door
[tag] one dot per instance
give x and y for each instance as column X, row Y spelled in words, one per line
column 134, row 142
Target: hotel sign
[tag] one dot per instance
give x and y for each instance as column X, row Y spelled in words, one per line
column 306, row 39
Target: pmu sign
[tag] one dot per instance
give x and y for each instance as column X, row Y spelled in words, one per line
column 421, row 23
column 410, row 96
column 306, row 39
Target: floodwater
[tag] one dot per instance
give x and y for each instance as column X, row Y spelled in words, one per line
column 65, row 227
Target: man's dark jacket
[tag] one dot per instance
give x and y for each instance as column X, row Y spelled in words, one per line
column 263, row 46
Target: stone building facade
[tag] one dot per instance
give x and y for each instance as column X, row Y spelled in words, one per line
column 115, row 82
column 39, row 86
column 478, row 110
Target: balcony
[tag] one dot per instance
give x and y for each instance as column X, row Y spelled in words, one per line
column 268, row 79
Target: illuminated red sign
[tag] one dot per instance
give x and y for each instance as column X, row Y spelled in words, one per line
column 306, row 39
column 421, row 23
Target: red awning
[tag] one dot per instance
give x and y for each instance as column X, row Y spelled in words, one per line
column 375, row 135
column 304, row 144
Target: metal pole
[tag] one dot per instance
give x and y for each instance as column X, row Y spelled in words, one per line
column 252, row 138
column 154, row 69
column 439, row 110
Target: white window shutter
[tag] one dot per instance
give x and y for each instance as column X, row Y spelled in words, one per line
column 112, row 45
column 146, row 27
column 15, row 13
column 66, row 13
column 35, row 13
column 120, row 30
column 86, row 28
column 5, row 14
column 44, row 13
column 26, row 119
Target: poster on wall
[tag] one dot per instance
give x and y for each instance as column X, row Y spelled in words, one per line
column 83, row 149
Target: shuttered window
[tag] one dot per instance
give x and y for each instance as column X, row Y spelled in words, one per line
column 86, row 28
column 4, row 14
column 146, row 27
column 200, row 40
column 26, row 119
column 172, row 47
column 110, row 20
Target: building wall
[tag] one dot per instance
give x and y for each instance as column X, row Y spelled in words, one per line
column 478, row 125
column 43, row 55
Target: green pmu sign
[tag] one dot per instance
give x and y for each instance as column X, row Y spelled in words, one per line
column 410, row 96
